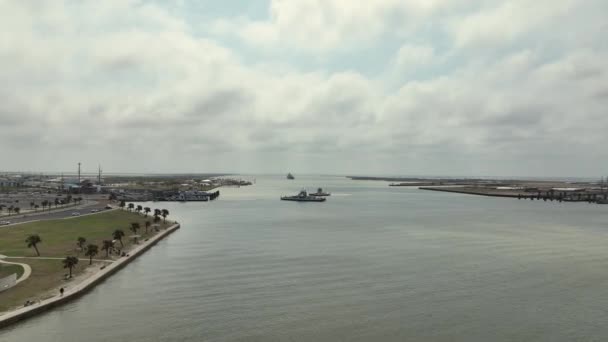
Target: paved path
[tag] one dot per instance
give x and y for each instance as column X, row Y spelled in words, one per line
column 53, row 258
column 27, row 270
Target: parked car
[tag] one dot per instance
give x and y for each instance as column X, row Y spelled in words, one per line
column 108, row 206
column 75, row 213
column 94, row 210
column 4, row 223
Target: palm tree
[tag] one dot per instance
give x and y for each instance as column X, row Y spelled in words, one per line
column 157, row 212
column 147, row 211
column 117, row 235
column 122, row 204
column 139, row 209
column 81, row 242
column 165, row 213
column 32, row 204
column 107, row 245
column 10, row 210
column 134, row 227
column 33, row 241
column 36, row 207
column 70, row 262
column 148, row 224
column 92, row 251
column 17, row 210
column 56, row 202
column 156, row 219
column 131, row 206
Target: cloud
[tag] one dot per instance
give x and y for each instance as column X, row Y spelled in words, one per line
column 326, row 25
column 130, row 78
column 411, row 56
column 502, row 22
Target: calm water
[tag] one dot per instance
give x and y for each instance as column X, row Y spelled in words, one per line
column 373, row 263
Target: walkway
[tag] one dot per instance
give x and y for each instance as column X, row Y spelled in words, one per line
column 52, row 258
column 27, row 270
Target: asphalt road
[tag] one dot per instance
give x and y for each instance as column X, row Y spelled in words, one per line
column 82, row 209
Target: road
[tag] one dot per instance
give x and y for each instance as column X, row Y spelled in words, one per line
column 82, row 209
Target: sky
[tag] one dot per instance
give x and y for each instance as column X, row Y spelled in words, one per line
column 380, row 87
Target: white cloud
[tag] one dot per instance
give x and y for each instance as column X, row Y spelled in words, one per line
column 411, row 56
column 325, row 25
column 122, row 79
column 502, row 22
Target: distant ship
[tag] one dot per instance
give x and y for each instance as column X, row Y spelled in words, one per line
column 303, row 197
column 320, row 193
column 290, row 176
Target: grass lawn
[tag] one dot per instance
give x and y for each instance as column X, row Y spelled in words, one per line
column 6, row 270
column 46, row 275
column 59, row 236
column 59, row 240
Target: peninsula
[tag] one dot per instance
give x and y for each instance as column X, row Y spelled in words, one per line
column 46, row 262
column 532, row 189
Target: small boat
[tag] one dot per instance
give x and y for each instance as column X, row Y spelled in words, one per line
column 290, row 176
column 320, row 193
column 303, row 196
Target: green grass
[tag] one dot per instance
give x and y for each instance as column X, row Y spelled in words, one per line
column 59, row 236
column 6, row 270
column 46, row 276
column 59, row 240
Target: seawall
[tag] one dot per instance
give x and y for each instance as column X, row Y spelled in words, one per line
column 86, row 285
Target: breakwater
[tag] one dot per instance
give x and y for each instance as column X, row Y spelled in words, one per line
column 548, row 195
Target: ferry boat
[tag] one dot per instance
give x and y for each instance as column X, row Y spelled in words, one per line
column 303, row 196
column 290, row 176
column 190, row 196
column 320, row 193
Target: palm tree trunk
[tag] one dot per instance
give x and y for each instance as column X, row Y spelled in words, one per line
column 36, row 248
column 91, row 260
column 121, row 245
column 71, row 271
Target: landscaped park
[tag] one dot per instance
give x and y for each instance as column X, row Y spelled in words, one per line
column 63, row 252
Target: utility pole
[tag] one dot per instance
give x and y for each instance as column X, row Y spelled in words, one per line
column 79, row 173
column 99, row 176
